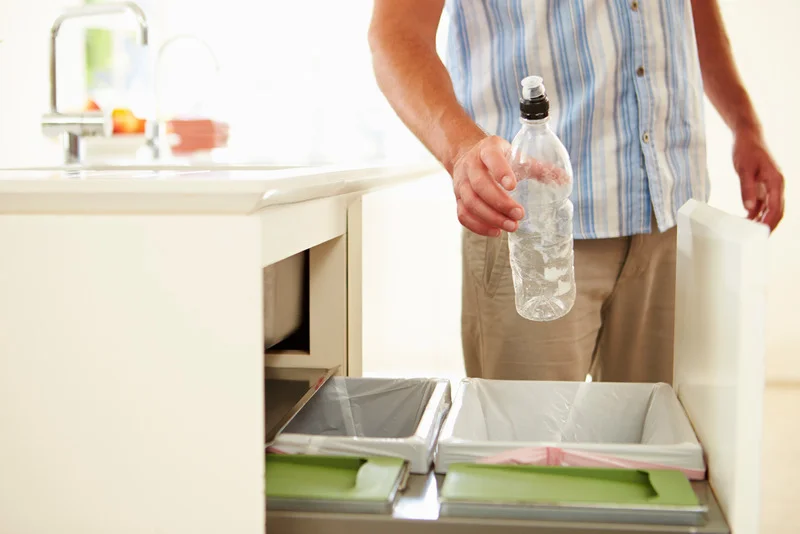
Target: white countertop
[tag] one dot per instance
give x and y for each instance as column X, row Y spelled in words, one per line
column 187, row 190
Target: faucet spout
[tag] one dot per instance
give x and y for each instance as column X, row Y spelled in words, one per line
column 155, row 127
column 90, row 11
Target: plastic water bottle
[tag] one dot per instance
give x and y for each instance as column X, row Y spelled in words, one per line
column 541, row 249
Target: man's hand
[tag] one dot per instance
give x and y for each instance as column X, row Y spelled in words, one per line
column 762, row 181
column 481, row 178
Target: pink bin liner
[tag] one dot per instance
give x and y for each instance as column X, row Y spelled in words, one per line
column 556, row 456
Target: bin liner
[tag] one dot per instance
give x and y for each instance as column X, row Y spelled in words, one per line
column 371, row 417
column 586, row 424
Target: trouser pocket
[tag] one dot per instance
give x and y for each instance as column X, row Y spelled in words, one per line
column 486, row 259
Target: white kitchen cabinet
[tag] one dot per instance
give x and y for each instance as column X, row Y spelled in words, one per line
column 131, row 339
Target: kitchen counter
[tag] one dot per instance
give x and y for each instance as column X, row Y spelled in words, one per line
column 417, row 510
column 187, row 190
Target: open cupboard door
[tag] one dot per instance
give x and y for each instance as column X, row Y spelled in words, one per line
column 720, row 322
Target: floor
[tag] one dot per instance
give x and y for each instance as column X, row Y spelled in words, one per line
column 780, row 460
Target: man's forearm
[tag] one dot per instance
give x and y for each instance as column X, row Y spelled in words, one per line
column 418, row 87
column 721, row 79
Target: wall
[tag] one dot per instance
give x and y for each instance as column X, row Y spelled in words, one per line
column 289, row 98
column 24, row 29
column 412, row 281
column 297, row 79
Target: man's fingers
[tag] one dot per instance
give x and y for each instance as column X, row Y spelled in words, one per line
column 477, row 207
column 494, row 155
column 493, row 195
column 747, row 177
column 482, row 179
column 761, row 180
column 472, row 223
column 774, row 201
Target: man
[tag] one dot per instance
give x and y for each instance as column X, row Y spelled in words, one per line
column 625, row 80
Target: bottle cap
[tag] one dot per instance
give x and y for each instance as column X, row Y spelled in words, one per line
column 534, row 104
column 532, row 86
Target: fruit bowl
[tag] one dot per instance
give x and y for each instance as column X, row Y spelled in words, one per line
column 117, row 146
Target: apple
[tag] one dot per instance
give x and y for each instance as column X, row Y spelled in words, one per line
column 125, row 122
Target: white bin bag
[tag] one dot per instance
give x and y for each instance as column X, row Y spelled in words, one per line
column 591, row 424
column 371, row 417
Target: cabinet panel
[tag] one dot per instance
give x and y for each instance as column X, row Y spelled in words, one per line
column 131, row 397
column 720, row 350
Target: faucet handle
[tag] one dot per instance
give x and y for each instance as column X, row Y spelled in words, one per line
column 85, row 124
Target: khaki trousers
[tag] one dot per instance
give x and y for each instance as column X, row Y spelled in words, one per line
column 620, row 329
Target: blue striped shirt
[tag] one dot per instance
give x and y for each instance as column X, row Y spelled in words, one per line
column 626, row 97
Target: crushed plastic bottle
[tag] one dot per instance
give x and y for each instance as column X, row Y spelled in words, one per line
column 541, row 250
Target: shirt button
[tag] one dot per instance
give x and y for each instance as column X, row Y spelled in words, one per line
column 635, row 5
column 640, row 72
column 646, row 137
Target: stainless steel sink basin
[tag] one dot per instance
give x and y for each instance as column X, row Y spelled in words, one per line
column 163, row 165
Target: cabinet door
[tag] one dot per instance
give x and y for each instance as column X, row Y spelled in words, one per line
column 720, row 349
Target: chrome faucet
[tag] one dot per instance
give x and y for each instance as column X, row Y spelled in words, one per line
column 155, row 127
column 91, row 123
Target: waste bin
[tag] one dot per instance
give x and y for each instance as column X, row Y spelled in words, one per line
column 371, row 417
column 587, row 424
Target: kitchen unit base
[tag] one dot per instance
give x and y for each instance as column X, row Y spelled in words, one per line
column 132, row 345
column 418, row 511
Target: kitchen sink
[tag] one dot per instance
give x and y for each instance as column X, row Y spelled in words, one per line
column 162, row 165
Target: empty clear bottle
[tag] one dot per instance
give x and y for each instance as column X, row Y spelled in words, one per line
column 541, row 249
